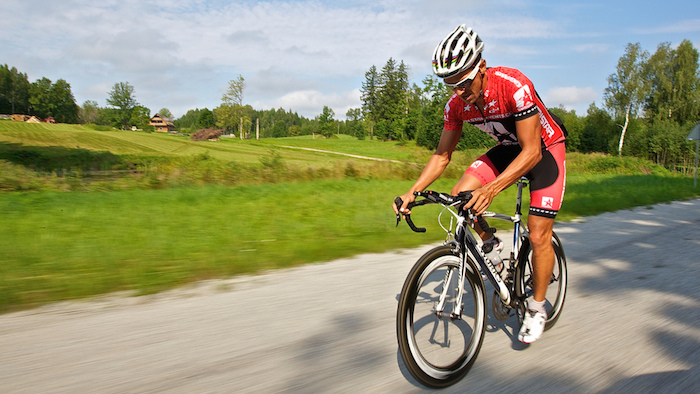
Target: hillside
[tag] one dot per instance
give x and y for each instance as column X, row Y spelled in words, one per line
column 80, row 158
column 32, row 154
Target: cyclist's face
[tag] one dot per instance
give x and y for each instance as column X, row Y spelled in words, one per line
column 467, row 84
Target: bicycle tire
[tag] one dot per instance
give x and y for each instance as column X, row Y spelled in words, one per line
column 556, row 292
column 427, row 361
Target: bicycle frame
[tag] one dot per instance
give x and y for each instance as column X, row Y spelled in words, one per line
column 468, row 244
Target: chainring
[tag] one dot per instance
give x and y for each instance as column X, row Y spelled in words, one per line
column 500, row 310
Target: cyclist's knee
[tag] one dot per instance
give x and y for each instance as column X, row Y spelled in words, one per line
column 467, row 182
column 541, row 229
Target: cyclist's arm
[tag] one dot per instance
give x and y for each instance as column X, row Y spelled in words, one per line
column 436, row 165
column 528, row 132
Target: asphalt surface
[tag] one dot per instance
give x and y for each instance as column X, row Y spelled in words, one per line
column 629, row 325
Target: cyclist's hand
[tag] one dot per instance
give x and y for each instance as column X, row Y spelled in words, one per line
column 481, row 199
column 407, row 199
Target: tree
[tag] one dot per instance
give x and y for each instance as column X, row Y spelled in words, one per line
column 233, row 117
column 141, row 118
column 435, row 96
column 674, row 84
column 89, row 112
column 280, row 129
column 122, row 99
column 226, row 117
column 234, row 92
column 232, row 110
column 188, row 122
column 294, row 130
column 370, row 97
column 53, row 99
column 392, row 101
column 626, row 87
column 164, row 112
column 14, row 91
column 63, row 106
column 686, row 83
column 354, row 122
column 599, row 131
column 40, row 98
column 326, row 122
column 206, row 119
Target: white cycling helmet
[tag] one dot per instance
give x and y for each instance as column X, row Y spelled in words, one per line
column 457, row 52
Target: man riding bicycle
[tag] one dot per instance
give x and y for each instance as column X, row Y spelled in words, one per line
column 503, row 103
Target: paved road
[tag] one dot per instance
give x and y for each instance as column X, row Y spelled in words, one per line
column 630, row 324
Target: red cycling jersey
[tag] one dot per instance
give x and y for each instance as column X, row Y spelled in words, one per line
column 508, row 97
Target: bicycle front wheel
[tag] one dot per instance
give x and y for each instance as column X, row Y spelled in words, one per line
column 556, row 289
column 437, row 348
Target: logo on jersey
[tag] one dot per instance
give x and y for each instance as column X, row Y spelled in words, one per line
column 546, row 125
column 547, row 202
column 492, row 106
column 447, row 110
column 523, row 98
column 476, row 164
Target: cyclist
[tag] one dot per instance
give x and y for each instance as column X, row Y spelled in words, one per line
column 503, row 103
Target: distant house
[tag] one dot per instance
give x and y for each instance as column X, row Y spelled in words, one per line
column 33, row 119
column 162, row 124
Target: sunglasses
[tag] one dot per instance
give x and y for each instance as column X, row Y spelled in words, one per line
column 466, row 82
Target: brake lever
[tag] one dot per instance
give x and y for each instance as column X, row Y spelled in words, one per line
column 399, row 202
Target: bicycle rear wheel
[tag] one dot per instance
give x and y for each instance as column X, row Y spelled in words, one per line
column 437, row 349
column 556, row 291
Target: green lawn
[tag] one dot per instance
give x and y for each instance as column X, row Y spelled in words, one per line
column 182, row 217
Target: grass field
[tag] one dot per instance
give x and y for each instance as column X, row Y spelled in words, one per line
column 143, row 238
column 227, row 149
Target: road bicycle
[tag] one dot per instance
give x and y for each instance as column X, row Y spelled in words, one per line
column 441, row 317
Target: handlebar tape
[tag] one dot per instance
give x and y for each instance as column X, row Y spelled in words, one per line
column 399, row 202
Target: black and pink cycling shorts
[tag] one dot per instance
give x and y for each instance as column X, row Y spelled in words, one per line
column 547, row 178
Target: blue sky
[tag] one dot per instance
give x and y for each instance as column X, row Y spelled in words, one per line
column 302, row 55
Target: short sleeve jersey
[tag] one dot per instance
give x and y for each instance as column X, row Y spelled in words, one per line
column 508, row 97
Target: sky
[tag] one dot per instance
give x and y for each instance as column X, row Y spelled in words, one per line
column 302, row 55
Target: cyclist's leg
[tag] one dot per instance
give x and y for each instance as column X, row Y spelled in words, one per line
column 541, row 229
column 484, row 170
column 547, row 185
column 548, row 181
column 473, row 179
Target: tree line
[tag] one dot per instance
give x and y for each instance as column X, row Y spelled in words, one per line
column 41, row 98
column 233, row 116
column 649, row 106
column 44, row 98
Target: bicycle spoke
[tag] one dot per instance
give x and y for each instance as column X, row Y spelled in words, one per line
column 435, row 347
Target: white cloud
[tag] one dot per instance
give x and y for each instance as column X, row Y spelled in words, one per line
column 571, row 97
column 684, row 26
column 295, row 54
column 593, row 48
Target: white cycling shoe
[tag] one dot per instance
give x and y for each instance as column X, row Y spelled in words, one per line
column 533, row 326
